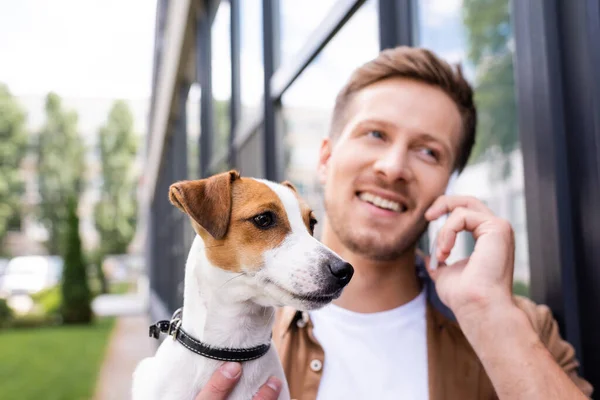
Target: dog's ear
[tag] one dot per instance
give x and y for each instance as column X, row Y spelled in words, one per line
column 290, row 185
column 206, row 201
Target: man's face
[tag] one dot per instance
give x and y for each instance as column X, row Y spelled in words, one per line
column 392, row 159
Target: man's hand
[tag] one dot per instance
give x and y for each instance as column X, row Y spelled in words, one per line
column 224, row 380
column 484, row 280
column 479, row 292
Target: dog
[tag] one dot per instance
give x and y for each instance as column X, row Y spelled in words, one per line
column 253, row 251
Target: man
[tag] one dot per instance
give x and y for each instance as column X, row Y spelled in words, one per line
column 401, row 126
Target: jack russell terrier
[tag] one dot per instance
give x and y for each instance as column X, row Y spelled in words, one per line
column 254, row 250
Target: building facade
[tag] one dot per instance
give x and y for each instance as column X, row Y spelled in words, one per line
column 250, row 84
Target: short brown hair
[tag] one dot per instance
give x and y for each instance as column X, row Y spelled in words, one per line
column 421, row 65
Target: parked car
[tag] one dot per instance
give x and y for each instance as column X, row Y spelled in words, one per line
column 31, row 274
column 3, row 264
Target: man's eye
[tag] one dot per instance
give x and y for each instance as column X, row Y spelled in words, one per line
column 430, row 153
column 376, row 134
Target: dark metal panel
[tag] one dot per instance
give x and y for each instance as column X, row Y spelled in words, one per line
column 556, row 66
column 181, row 240
column 547, row 187
column 212, row 6
column 579, row 27
column 235, row 106
column 204, row 54
column 396, row 23
column 163, row 228
column 331, row 24
column 271, row 55
column 160, row 22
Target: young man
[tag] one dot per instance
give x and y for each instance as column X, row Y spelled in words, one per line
column 402, row 124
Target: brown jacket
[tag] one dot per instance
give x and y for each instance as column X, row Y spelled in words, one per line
column 455, row 372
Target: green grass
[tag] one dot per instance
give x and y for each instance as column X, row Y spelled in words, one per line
column 53, row 363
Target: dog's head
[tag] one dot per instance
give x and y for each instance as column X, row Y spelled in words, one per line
column 259, row 236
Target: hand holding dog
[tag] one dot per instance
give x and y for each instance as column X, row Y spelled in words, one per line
column 224, row 380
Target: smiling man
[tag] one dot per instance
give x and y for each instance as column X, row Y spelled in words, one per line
column 401, row 126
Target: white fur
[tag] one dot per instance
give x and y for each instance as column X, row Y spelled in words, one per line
column 228, row 309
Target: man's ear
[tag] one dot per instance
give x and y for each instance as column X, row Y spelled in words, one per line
column 206, row 201
column 324, row 155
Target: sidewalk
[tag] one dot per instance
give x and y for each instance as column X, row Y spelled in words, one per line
column 129, row 343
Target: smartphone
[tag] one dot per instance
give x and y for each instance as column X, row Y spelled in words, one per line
column 436, row 225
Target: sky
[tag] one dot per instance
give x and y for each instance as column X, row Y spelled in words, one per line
column 78, row 48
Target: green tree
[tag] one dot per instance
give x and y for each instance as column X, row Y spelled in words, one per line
column 76, row 296
column 116, row 212
column 13, row 147
column 490, row 35
column 61, row 165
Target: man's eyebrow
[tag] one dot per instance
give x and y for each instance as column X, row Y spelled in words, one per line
column 376, row 122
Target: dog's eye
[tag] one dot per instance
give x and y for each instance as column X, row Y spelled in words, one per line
column 264, row 220
column 312, row 223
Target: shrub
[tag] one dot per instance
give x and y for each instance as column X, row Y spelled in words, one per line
column 49, row 300
column 6, row 314
column 76, row 296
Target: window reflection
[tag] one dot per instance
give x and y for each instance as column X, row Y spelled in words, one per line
column 298, row 20
column 193, row 130
column 478, row 34
column 250, row 159
column 221, row 79
column 251, row 56
column 308, row 103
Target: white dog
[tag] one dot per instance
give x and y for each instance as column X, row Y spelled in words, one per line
column 253, row 251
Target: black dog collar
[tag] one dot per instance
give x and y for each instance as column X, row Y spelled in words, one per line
column 173, row 329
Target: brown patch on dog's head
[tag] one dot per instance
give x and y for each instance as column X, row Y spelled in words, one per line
column 239, row 219
column 206, row 201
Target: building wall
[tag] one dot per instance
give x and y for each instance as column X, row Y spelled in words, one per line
column 536, row 90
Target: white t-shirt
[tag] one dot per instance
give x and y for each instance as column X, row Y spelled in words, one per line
column 380, row 355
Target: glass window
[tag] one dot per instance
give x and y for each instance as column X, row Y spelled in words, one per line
column 221, row 79
column 251, row 57
column 298, row 20
column 193, row 130
column 479, row 35
column 250, row 158
column 308, row 103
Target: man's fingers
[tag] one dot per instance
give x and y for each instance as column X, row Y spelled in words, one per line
column 269, row 391
column 447, row 204
column 221, row 382
column 459, row 220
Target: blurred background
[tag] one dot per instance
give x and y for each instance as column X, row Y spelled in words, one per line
column 104, row 104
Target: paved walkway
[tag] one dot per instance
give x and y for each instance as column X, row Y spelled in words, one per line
column 129, row 343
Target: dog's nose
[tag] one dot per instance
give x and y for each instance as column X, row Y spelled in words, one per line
column 342, row 270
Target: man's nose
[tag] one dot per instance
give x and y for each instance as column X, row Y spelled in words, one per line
column 394, row 165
